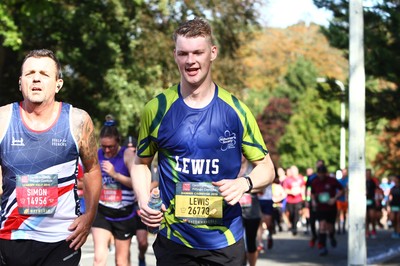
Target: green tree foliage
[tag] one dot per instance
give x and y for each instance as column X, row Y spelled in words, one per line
column 387, row 159
column 9, row 34
column 116, row 54
column 382, row 65
column 312, row 132
column 281, row 67
column 268, row 55
column 273, row 122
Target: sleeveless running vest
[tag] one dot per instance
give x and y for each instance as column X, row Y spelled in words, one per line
column 114, row 194
column 39, row 200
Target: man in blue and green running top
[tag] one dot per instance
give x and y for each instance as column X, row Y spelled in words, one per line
column 200, row 132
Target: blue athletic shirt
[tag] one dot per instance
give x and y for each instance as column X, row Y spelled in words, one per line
column 199, row 145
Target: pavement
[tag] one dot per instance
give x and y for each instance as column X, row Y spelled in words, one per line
column 289, row 250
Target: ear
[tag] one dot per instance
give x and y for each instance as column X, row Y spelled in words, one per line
column 214, row 52
column 19, row 83
column 59, row 85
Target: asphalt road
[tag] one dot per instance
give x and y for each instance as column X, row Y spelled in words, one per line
column 289, row 250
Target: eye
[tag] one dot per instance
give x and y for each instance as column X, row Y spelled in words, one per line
column 45, row 74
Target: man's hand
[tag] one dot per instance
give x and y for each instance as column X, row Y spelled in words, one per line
column 332, row 201
column 80, row 230
column 232, row 189
column 150, row 217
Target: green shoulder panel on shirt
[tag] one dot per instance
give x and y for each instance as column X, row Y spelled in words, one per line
column 152, row 116
column 253, row 143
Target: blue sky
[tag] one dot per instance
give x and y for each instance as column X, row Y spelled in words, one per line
column 283, row 13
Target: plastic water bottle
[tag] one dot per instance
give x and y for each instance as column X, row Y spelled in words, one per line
column 155, row 203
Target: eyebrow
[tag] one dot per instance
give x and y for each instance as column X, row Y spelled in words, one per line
column 34, row 71
column 194, row 51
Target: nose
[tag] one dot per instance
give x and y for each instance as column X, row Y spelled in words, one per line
column 190, row 59
column 36, row 77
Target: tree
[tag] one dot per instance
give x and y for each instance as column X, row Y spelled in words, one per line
column 273, row 122
column 387, row 160
column 382, row 58
column 268, row 55
column 116, row 55
column 312, row 132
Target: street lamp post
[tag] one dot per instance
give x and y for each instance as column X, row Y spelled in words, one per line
column 342, row 119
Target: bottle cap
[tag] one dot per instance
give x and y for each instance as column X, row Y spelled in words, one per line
column 155, row 192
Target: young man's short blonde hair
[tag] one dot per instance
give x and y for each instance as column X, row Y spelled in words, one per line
column 194, row 28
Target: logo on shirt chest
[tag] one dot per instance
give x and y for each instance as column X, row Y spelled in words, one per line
column 17, row 142
column 58, row 142
column 228, row 140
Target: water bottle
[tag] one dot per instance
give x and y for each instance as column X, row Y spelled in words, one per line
column 155, row 203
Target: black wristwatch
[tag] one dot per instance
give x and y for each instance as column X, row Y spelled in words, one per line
column 249, row 182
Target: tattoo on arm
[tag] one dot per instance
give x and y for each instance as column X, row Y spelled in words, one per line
column 86, row 138
column 89, row 143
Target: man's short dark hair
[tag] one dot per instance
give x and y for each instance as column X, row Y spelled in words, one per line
column 45, row 53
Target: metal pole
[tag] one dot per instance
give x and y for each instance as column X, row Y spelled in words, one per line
column 342, row 129
column 357, row 251
column 342, row 119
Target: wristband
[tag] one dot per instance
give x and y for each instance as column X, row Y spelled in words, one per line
column 249, row 182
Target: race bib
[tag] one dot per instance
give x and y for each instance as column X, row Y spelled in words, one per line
column 246, row 200
column 111, row 193
column 323, row 197
column 395, row 208
column 198, row 203
column 37, row 194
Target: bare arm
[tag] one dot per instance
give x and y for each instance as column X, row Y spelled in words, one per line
column 5, row 115
column 109, row 168
column 129, row 156
column 261, row 176
column 141, row 180
column 84, row 134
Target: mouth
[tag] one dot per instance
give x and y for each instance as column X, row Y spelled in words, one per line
column 36, row 89
column 192, row 71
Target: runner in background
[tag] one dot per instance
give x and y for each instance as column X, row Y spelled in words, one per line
column 312, row 209
column 371, row 217
column 394, row 204
column 386, row 185
column 294, row 186
column 251, row 214
column 342, row 202
column 285, row 216
column 325, row 190
column 79, row 177
column 278, row 197
column 141, row 228
column 116, row 216
column 267, row 211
